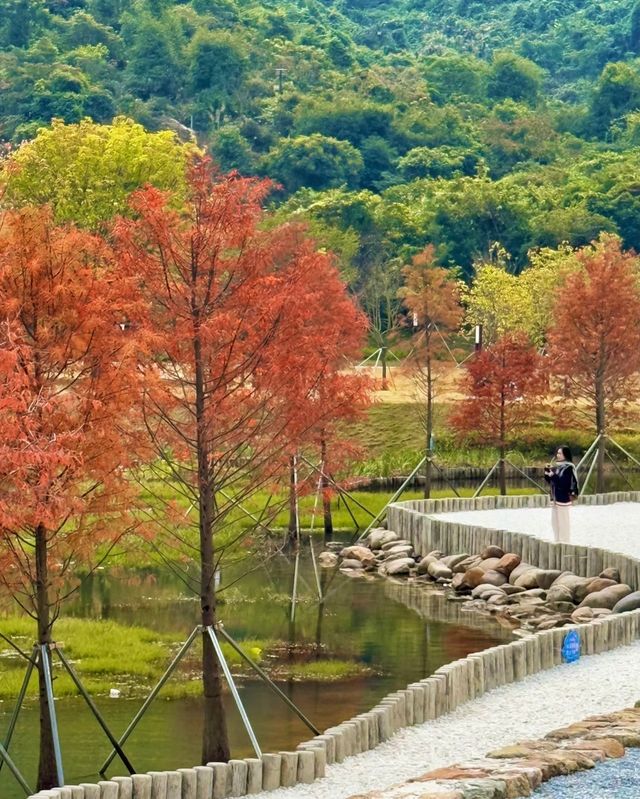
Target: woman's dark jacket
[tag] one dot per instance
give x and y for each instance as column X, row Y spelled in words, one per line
column 564, row 484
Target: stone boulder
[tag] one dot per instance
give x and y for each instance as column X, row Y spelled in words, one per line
column 508, row 563
column 488, row 564
column 458, row 583
column 400, row 566
column 611, row 573
column 363, row 554
column 557, row 620
column 572, row 580
column 512, row 589
column 400, row 549
column 607, row 598
column 563, row 607
column 537, row 592
column 453, row 560
column 469, row 562
column 492, row 551
column 377, row 537
column 629, row 602
column 473, row 577
column 582, row 615
column 423, row 565
column 439, row 570
column 328, row 560
column 351, row 563
column 403, row 553
column 486, row 588
column 493, row 577
column 529, row 579
column 559, row 593
column 387, row 537
column 394, row 542
column 547, row 577
column 597, row 584
column 519, row 571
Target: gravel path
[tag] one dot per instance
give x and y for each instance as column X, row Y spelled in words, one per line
column 615, row 527
column 523, row 710
column 615, row 779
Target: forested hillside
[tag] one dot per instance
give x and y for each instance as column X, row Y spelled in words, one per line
column 487, row 129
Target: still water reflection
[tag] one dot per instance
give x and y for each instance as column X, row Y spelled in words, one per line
column 378, row 624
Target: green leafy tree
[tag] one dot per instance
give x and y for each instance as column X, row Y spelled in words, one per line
column 616, row 94
column 316, row 161
column 515, row 78
column 20, row 19
column 87, row 171
column 473, row 214
column 504, row 303
column 438, row 162
column 634, row 29
column 379, row 158
column 218, row 62
column 345, row 117
column 231, row 150
column 456, row 76
column 154, row 65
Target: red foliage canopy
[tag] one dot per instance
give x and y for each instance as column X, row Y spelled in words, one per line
column 595, row 341
column 504, row 383
column 67, row 383
column 248, row 323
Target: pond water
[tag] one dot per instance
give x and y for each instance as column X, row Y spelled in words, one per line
column 614, row 779
column 375, row 623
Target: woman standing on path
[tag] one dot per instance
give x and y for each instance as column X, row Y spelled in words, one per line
column 563, row 480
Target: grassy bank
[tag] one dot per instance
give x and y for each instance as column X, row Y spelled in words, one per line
column 107, row 655
column 391, row 437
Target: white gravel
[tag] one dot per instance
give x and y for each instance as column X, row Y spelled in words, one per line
column 615, row 527
column 520, row 711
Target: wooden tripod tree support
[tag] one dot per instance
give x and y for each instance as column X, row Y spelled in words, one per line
column 593, row 451
column 397, row 494
column 213, row 634
column 44, row 653
column 513, row 466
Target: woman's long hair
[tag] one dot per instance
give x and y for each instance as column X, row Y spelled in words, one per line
column 566, row 451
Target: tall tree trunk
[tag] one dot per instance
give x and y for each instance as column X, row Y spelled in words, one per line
column 601, row 428
column 47, row 772
column 383, row 354
column 428, row 430
column 324, row 487
column 320, row 617
column 215, row 741
column 294, row 519
column 502, row 471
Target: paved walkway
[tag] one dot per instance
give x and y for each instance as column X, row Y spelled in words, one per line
column 520, row 711
column 615, row 527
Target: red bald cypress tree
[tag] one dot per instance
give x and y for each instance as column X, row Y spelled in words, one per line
column 244, row 320
column 504, row 384
column 594, row 344
column 68, row 384
column 431, row 296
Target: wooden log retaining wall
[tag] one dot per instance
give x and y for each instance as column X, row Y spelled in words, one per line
column 449, row 687
column 413, row 521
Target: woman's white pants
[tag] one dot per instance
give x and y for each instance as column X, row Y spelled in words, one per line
column 561, row 522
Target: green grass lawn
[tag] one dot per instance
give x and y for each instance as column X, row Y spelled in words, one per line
column 132, row 659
